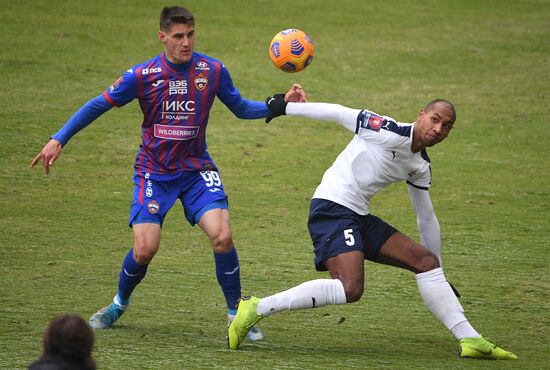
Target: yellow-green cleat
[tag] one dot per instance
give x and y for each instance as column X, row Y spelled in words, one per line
column 244, row 320
column 482, row 348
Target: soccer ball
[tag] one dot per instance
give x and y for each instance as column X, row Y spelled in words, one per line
column 291, row 50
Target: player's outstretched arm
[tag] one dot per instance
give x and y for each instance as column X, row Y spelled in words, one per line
column 48, row 155
column 82, row 118
column 345, row 116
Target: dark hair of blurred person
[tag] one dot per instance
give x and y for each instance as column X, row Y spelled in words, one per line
column 68, row 344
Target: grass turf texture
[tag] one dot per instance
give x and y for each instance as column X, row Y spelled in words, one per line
column 64, row 236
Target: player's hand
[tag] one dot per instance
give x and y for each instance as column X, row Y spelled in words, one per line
column 276, row 105
column 48, row 155
column 296, row 94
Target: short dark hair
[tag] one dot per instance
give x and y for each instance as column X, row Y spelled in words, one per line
column 175, row 14
column 70, row 337
column 449, row 105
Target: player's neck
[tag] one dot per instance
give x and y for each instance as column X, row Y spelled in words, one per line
column 175, row 64
column 416, row 144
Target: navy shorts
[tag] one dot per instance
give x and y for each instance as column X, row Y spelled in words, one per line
column 197, row 191
column 336, row 229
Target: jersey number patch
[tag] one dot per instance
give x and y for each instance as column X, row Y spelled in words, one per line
column 211, row 178
column 348, row 235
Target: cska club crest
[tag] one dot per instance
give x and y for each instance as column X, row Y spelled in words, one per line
column 153, row 207
column 200, row 82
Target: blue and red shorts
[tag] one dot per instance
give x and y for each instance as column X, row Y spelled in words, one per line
column 198, row 192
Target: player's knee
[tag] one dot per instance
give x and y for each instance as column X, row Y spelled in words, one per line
column 143, row 254
column 143, row 257
column 427, row 262
column 146, row 243
column 222, row 243
column 353, row 290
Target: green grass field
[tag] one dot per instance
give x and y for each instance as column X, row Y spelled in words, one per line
column 63, row 236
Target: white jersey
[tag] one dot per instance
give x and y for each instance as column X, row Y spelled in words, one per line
column 377, row 156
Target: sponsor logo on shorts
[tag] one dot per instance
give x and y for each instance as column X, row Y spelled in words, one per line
column 153, row 207
column 149, row 189
column 176, row 132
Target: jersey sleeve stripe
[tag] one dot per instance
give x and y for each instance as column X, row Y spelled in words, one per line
column 424, row 155
column 110, row 100
column 360, row 118
column 395, row 128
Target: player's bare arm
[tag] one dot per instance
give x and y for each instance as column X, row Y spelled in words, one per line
column 48, row 155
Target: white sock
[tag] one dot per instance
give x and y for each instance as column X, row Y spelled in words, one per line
column 311, row 294
column 118, row 302
column 442, row 302
column 465, row 330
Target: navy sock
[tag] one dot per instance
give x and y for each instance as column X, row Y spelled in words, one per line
column 229, row 276
column 130, row 276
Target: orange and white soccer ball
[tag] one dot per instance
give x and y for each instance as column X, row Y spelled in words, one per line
column 291, row 50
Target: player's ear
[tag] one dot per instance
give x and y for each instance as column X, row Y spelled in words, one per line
column 162, row 36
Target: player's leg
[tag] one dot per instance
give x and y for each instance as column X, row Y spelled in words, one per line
column 152, row 200
column 134, row 268
column 205, row 204
column 215, row 224
column 338, row 248
column 346, row 286
column 403, row 252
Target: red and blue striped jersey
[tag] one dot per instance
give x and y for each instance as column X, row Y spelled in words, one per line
column 176, row 100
